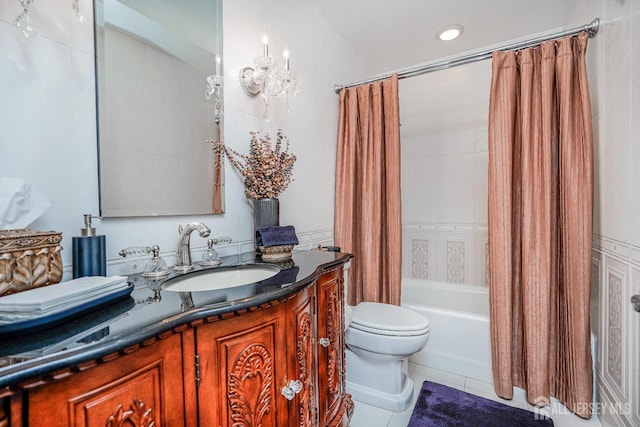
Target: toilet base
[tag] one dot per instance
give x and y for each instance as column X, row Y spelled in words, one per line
column 391, row 402
column 384, row 384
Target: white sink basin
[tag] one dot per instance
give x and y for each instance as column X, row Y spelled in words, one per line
column 210, row 280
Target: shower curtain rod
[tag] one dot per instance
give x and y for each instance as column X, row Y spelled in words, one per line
column 591, row 29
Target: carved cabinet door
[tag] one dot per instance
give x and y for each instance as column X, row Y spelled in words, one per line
column 331, row 363
column 302, row 360
column 242, row 370
column 4, row 412
column 141, row 389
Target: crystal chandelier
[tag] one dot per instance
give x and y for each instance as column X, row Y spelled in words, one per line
column 267, row 79
column 215, row 83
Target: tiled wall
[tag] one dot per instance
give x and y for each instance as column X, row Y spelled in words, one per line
column 444, row 174
column 446, row 253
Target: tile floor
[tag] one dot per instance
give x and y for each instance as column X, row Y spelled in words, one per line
column 371, row 416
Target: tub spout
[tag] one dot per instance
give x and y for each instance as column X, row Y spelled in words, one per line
column 183, row 262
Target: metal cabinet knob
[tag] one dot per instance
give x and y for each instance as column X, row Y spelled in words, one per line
column 325, row 342
column 291, row 389
column 635, row 302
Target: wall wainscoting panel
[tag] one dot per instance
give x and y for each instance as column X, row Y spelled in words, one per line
column 614, row 326
column 486, row 263
column 451, row 253
column 420, row 259
column 615, row 277
column 420, row 254
column 594, row 310
column 456, row 261
column 634, row 342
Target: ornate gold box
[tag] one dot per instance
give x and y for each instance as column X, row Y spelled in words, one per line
column 276, row 253
column 29, row 259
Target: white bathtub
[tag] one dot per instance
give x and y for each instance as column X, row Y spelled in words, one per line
column 459, row 341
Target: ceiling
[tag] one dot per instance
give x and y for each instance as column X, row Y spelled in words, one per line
column 394, row 35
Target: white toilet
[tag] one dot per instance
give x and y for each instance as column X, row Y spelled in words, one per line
column 379, row 339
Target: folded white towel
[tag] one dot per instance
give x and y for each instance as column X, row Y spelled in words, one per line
column 58, row 297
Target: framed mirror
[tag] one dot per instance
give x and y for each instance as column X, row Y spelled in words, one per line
column 157, row 123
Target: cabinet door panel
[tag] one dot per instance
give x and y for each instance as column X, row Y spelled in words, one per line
column 132, row 400
column 141, row 389
column 331, row 354
column 4, row 412
column 302, row 360
column 242, row 371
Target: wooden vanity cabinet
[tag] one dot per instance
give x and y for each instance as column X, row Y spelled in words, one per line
column 249, row 363
column 141, row 389
column 279, row 364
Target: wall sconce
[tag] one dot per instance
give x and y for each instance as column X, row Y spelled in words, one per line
column 267, row 79
column 214, row 89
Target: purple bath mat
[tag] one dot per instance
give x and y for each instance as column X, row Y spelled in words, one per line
column 441, row 406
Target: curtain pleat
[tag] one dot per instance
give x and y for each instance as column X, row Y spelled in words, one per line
column 540, row 223
column 368, row 220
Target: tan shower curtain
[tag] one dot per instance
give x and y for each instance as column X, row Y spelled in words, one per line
column 540, row 223
column 368, row 219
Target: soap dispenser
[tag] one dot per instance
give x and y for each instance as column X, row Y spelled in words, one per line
column 89, row 252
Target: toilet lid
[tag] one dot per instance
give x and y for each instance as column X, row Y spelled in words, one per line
column 387, row 319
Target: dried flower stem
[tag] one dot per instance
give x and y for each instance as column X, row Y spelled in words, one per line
column 267, row 170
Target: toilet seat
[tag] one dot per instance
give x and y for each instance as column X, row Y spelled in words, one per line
column 387, row 319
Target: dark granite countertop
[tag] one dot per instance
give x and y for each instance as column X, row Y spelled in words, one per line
column 148, row 312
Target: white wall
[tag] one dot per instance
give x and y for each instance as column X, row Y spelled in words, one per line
column 48, row 125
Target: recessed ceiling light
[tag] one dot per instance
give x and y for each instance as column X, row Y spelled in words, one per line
column 450, row 32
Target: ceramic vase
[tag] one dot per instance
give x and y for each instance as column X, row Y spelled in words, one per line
column 266, row 213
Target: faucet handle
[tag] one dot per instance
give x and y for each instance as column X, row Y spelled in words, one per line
column 210, row 257
column 135, row 251
column 221, row 240
column 156, row 266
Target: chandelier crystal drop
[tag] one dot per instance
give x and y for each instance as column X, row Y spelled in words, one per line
column 215, row 82
column 76, row 9
column 23, row 22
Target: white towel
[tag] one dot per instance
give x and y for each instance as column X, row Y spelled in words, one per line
column 55, row 298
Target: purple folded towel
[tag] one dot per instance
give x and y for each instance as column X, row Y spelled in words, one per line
column 276, row 236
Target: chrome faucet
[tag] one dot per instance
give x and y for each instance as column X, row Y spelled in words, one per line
column 184, row 250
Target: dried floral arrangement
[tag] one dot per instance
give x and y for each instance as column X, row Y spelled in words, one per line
column 267, row 170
